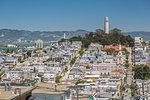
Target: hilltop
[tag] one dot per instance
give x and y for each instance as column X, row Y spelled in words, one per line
column 11, row 34
column 143, row 34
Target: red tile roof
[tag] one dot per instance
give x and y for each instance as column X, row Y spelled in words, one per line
column 116, row 48
column 117, row 71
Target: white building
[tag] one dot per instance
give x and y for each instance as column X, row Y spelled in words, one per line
column 39, row 44
column 138, row 39
column 18, row 75
column 104, row 68
column 11, row 46
column 49, row 77
column 76, row 44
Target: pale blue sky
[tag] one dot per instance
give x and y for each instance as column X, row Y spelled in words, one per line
column 52, row 15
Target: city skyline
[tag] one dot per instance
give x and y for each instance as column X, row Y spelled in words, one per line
column 73, row 15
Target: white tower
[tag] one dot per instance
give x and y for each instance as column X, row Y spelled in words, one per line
column 106, row 28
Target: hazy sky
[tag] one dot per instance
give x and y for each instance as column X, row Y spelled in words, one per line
column 52, row 15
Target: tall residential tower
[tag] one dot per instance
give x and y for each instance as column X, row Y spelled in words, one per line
column 106, row 28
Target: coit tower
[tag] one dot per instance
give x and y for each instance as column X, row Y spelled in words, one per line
column 106, row 27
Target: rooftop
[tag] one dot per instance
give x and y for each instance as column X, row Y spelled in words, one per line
column 7, row 95
column 50, row 88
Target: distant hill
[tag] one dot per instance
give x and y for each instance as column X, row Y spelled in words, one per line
column 143, row 34
column 9, row 34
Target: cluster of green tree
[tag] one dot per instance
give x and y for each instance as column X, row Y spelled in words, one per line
column 133, row 88
column 73, row 60
column 127, row 63
column 80, row 82
column 33, row 83
column 122, row 88
column 66, row 68
column 81, row 52
column 142, row 72
column 28, row 53
column 115, row 99
column 21, row 61
column 42, row 78
column 114, row 38
column 86, row 49
column 9, row 51
column 87, row 67
column 127, row 57
column 57, row 80
column 1, row 74
column 35, row 50
column 50, row 59
column 126, row 52
column 125, row 79
column 94, row 81
column 144, row 43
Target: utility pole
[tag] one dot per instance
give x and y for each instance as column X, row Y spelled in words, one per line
column 121, row 90
column 77, row 94
column 143, row 89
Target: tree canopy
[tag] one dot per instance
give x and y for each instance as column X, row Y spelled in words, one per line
column 29, row 53
column 142, row 72
column 80, row 82
column 57, row 80
column 115, row 37
column 81, row 52
column 21, row 61
column 73, row 60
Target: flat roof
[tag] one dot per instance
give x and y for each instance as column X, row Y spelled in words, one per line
column 7, row 95
column 49, row 88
